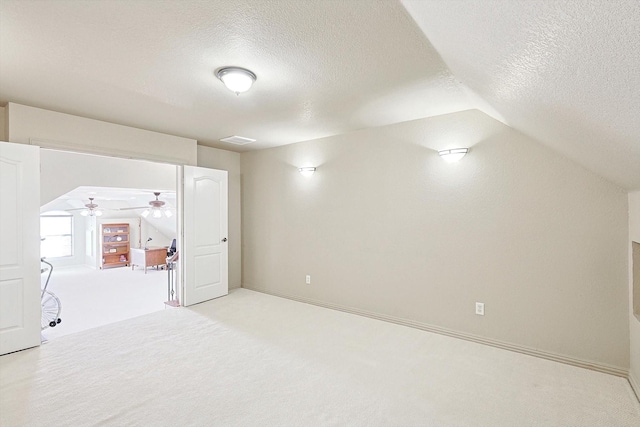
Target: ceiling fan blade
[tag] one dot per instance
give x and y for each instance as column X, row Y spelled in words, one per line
column 129, row 209
column 95, row 209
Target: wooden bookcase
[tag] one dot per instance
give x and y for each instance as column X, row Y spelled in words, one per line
column 115, row 245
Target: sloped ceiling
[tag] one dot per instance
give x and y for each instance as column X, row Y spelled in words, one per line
column 323, row 67
column 564, row 72
column 112, row 200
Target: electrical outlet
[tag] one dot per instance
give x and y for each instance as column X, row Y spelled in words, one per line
column 307, row 280
column 480, row 308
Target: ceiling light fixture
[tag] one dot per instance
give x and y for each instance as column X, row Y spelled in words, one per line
column 91, row 209
column 236, row 79
column 157, row 208
column 453, row 155
column 157, row 212
column 307, row 171
column 91, row 212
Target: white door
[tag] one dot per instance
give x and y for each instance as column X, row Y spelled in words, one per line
column 204, row 249
column 19, row 247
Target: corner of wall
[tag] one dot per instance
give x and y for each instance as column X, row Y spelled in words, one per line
column 3, row 124
column 634, row 324
column 635, row 385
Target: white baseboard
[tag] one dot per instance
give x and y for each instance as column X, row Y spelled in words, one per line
column 635, row 384
column 600, row 367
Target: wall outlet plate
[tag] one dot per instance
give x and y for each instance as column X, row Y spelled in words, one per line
column 307, row 279
column 480, row 308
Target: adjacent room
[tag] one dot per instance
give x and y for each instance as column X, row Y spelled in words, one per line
column 354, row 213
column 107, row 246
column 110, row 255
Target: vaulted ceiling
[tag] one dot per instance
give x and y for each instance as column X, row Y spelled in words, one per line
column 565, row 73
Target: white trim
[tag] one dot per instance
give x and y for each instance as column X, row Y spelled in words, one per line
column 99, row 151
column 599, row 367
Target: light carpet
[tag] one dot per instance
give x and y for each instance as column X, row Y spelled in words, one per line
column 92, row 298
column 250, row 359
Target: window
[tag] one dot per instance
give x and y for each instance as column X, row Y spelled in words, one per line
column 56, row 228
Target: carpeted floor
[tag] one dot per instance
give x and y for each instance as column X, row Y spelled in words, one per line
column 251, row 359
column 92, row 298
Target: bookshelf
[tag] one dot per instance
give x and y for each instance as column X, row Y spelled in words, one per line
column 115, row 245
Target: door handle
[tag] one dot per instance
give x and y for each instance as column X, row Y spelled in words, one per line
column 224, row 239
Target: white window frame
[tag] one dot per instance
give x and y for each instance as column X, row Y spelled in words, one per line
column 70, row 235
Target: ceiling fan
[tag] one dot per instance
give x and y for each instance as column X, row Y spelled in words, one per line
column 156, row 208
column 90, row 209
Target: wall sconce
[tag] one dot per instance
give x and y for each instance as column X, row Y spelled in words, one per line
column 306, row 171
column 453, row 155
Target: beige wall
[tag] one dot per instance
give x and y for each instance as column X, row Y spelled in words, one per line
column 634, row 234
column 3, row 135
column 64, row 131
column 214, row 158
column 385, row 226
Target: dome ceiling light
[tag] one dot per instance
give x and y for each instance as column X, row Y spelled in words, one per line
column 236, row 79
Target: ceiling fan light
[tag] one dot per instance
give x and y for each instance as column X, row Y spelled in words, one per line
column 84, row 213
column 145, row 213
column 236, row 79
column 98, row 213
column 168, row 213
column 157, row 213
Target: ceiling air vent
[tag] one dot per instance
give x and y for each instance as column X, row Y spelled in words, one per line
column 238, row 140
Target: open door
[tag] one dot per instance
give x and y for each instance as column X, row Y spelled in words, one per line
column 204, row 250
column 20, row 308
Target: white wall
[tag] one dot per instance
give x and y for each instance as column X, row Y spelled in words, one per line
column 386, row 227
column 159, row 239
column 634, row 322
column 64, row 131
column 61, row 172
column 92, row 237
column 214, row 158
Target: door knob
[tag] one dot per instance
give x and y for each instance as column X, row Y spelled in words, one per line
column 224, row 239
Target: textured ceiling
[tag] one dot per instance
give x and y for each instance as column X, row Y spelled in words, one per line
column 564, row 72
column 323, row 67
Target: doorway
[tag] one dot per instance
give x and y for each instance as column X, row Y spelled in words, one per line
column 28, row 171
column 96, row 195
